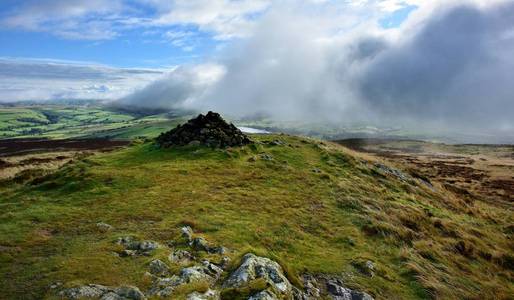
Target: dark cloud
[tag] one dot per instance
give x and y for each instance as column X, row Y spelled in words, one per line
column 456, row 69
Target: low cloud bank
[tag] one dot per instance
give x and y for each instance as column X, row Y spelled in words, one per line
column 40, row 80
column 452, row 67
column 180, row 88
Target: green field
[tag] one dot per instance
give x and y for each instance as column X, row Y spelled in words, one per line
column 71, row 120
column 57, row 122
column 315, row 207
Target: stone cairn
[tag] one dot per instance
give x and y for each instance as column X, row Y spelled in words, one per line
column 209, row 130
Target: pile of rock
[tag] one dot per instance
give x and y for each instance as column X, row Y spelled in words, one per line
column 209, row 130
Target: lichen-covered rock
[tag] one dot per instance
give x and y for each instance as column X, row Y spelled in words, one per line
column 187, row 233
column 301, row 295
column 267, row 157
column 211, row 269
column 195, row 274
column 128, row 242
column 96, row 291
column 135, row 247
column 159, row 268
column 264, row 295
column 147, row 246
column 225, row 261
column 103, row 227
column 164, row 287
column 311, row 286
column 209, row 130
column 364, row 267
column 112, row 296
column 181, row 257
column 385, row 170
column 254, row 267
column 207, row 273
column 200, row 244
column 208, row 295
column 338, row 292
column 86, row 291
column 126, row 253
column 129, row 292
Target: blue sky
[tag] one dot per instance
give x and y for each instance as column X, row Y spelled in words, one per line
column 133, row 33
column 397, row 17
column 132, row 49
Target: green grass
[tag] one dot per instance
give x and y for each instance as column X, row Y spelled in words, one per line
column 147, row 129
column 320, row 222
column 19, row 117
column 58, row 122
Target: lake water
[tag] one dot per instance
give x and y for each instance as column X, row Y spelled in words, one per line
column 252, row 130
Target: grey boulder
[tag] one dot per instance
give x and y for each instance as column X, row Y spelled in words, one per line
column 96, row 291
column 264, row 295
column 254, row 267
column 337, row 292
column 208, row 295
column 187, row 233
column 181, row 257
column 159, row 268
column 207, row 272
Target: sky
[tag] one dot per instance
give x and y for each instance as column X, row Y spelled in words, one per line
column 435, row 62
column 42, row 38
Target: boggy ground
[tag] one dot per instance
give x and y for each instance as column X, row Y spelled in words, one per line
column 315, row 207
column 474, row 172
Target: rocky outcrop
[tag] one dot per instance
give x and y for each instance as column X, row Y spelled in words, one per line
column 332, row 287
column 338, row 292
column 135, row 247
column 385, row 170
column 264, row 295
column 254, row 267
column 181, row 257
column 206, row 274
column 200, row 244
column 209, row 130
column 208, row 295
column 159, row 268
column 96, row 291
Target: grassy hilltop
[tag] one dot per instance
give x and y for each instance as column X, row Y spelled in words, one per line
column 315, row 207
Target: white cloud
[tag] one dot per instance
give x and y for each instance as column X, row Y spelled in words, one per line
column 448, row 65
column 186, row 40
column 22, row 79
column 321, row 59
column 105, row 19
column 72, row 19
column 225, row 18
column 180, row 88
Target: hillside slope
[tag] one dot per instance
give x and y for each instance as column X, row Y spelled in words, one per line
column 315, row 207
